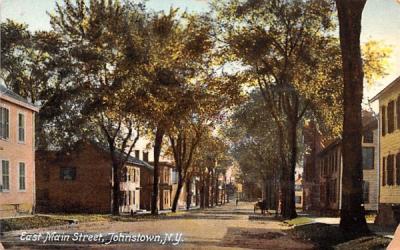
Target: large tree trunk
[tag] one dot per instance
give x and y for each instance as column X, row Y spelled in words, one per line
column 157, row 150
column 188, row 194
column 115, row 189
column 178, row 190
column 202, row 192
column 212, row 195
column 289, row 208
column 207, row 190
column 216, row 190
column 352, row 216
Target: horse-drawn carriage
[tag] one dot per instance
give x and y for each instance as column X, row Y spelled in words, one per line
column 262, row 205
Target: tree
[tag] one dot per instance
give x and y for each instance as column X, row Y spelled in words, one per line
column 352, row 214
column 107, row 54
column 184, row 84
column 278, row 43
column 253, row 136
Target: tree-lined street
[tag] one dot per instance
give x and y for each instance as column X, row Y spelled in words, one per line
column 226, row 227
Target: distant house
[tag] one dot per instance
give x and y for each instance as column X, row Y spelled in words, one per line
column 313, row 143
column 17, row 153
column 81, row 181
column 389, row 155
column 330, row 165
column 164, row 188
column 298, row 192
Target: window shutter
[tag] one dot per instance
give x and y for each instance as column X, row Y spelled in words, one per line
column 383, row 128
column 7, row 128
column 384, row 171
column 398, row 112
column 398, row 169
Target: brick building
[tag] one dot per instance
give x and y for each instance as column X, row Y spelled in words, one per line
column 81, row 181
column 17, row 153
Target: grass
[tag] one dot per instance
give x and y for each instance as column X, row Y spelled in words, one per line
column 83, row 217
column 298, row 221
column 39, row 221
column 326, row 236
column 368, row 242
column 24, row 223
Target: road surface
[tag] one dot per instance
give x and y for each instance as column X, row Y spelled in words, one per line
column 225, row 227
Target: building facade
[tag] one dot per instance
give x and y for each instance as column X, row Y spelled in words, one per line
column 330, row 164
column 389, row 154
column 17, row 154
column 81, row 181
column 164, row 187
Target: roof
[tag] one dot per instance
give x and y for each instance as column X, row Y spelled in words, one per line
column 386, row 89
column 15, row 98
column 369, row 122
column 131, row 159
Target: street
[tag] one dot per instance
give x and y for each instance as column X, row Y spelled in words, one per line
column 226, row 227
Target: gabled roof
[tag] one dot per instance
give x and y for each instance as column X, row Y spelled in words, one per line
column 131, row 159
column 386, row 89
column 11, row 96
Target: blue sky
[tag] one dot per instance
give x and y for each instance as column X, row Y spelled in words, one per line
column 381, row 21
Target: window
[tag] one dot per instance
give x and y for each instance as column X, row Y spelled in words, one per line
column 298, row 199
column 21, row 127
column 134, row 175
column 368, row 157
column 137, row 154
column 390, row 117
column 368, row 137
column 389, row 170
column 4, row 123
column 68, row 173
column 146, row 156
column 384, row 171
column 365, row 187
column 21, row 176
column 398, row 169
column 383, row 112
column 297, row 187
column 134, row 197
column 5, row 173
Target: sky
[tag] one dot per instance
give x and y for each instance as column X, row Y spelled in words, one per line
column 381, row 21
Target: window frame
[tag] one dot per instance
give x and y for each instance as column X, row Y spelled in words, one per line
column 7, row 126
column 19, row 177
column 2, row 176
column 24, row 127
column 61, row 173
column 373, row 157
column 365, row 187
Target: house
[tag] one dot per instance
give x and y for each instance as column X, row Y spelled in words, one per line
column 17, row 153
column 164, row 187
column 298, row 192
column 330, row 169
column 389, row 155
column 81, row 181
column 313, row 143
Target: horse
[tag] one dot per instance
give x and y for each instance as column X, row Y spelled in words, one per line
column 262, row 205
